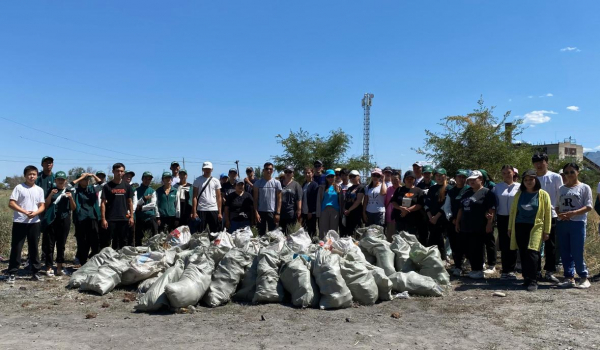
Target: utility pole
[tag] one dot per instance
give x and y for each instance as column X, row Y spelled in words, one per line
column 366, row 104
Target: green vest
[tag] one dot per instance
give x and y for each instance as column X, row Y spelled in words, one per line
column 167, row 203
column 45, row 182
column 141, row 192
column 88, row 192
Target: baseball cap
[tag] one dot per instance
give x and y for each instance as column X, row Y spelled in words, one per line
column 559, row 172
column 337, row 170
column 223, row 175
column 318, row 163
column 289, row 168
column 376, row 171
column 441, row 171
column 388, row 169
column 474, row 175
column 167, row 174
column 60, row 175
column 330, row 172
column 207, row 165
column 249, row 169
column 355, row 172
column 419, row 164
column 529, row 173
column 233, row 170
column 130, row 172
column 515, row 170
column 428, row 169
column 47, row 158
column 409, row 173
column 462, row 172
column 100, row 172
column 239, row 181
column 174, row 162
column 147, row 173
column 183, row 171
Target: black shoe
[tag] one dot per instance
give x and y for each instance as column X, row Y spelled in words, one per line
column 526, row 283
column 532, row 287
column 37, row 277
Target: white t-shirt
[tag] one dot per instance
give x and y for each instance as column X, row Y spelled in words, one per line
column 598, row 190
column 505, row 196
column 175, row 180
column 208, row 199
column 573, row 198
column 376, row 201
column 27, row 198
column 551, row 183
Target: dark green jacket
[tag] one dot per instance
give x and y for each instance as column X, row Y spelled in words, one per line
column 167, row 203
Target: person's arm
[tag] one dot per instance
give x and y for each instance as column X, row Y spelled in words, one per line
column 299, row 204
column 365, row 202
column 490, row 220
column 195, row 203
column 49, row 198
column 103, row 213
column 383, row 190
column 586, row 198
column 458, row 217
column 12, row 204
column 255, row 198
column 72, row 203
column 227, row 223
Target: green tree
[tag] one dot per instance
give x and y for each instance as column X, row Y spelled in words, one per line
column 12, row 181
column 74, row 171
column 301, row 149
column 477, row 140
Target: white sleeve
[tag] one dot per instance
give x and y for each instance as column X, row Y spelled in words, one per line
column 40, row 197
column 447, row 208
column 178, row 203
column 151, row 205
column 587, row 197
column 15, row 194
column 598, row 190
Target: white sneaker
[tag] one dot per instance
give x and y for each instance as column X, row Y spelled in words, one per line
column 457, row 272
column 584, row 284
column 508, row 276
column 476, row 275
column 490, row 270
column 569, row 283
column 551, row 278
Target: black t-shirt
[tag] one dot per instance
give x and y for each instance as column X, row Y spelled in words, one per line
column 227, row 188
column 416, row 196
column 432, row 201
column 455, row 195
column 116, row 196
column 475, row 206
column 240, row 207
column 422, row 185
column 290, row 195
column 351, row 197
column 247, row 187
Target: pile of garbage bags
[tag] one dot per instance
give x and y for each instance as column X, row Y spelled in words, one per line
column 179, row 269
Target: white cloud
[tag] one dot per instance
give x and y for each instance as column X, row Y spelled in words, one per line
column 573, row 108
column 529, row 96
column 510, row 100
column 570, row 48
column 549, row 95
column 537, row 117
column 597, row 148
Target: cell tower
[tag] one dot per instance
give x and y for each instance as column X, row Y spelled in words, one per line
column 366, row 104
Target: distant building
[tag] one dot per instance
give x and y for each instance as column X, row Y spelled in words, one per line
column 567, row 149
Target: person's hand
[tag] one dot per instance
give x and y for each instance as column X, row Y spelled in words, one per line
column 30, row 214
column 220, row 217
column 457, row 227
column 365, row 218
column 148, row 197
column 546, row 236
column 54, row 191
column 509, row 233
column 68, row 195
column 131, row 222
column 346, row 212
column 158, row 222
column 433, row 220
column 104, row 224
column 489, row 227
column 194, row 215
column 227, row 224
column 309, row 216
column 257, row 215
column 489, row 216
column 276, row 217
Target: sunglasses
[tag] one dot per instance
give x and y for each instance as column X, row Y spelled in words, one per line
column 572, row 172
column 318, row 166
column 288, row 171
column 375, row 175
column 352, row 176
column 329, row 176
column 268, row 169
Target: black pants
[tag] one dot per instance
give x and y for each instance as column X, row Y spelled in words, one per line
column 310, row 225
column 489, row 240
column 86, row 234
column 549, row 251
column 167, row 224
column 131, row 235
column 20, row 233
column 475, row 250
column 508, row 256
column 104, row 238
column 436, row 235
column 118, row 231
column 209, row 219
column 55, row 235
column 287, row 224
column 529, row 258
column 419, row 230
column 267, row 222
column 353, row 221
column 142, row 228
column 457, row 245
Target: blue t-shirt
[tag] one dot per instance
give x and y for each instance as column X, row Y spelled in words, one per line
column 330, row 199
column 528, row 207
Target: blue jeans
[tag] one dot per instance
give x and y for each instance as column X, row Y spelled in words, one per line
column 571, row 236
column 236, row 225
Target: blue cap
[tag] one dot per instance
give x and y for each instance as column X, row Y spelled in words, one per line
column 330, row 172
column 224, row 175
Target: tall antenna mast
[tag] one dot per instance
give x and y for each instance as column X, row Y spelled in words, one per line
column 366, row 104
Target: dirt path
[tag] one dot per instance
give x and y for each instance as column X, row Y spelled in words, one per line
column 47, row 316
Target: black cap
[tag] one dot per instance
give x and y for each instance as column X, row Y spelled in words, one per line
column 289, row 168
column 233, row 170
column 318, row 162
column 538, row 157
column 249, row 169
column 409, row 173
column 388, row 168
column 529, row 173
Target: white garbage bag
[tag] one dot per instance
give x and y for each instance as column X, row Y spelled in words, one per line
column 430, row 263
column 180, row 236
column 143, row 267
column 91, row 267
column 146, row 284
column 241, row 237
column 414, row 283
column 107, row 277
column 380, row 249
column 267, row 278
column 247, row 287
column 334, row 291
column 401, row 250
column 360, row 281
column 299, row 241
column 192, row 285
column 227, row 275
column 348, row 248
column 297, row 280
column 155, row 297
column 384, row 284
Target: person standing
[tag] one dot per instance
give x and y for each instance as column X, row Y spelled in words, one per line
column 185, row 194
column 249, row 180
column 387, row 176
column 85, row 218
column 530, row 221
column 338, row 176
column 310, row 191
column 409, row 202
column 458, row 241
column 267, row 200
column 167, row 201
column 395, row 183
column 117, row 200
column 230, row 185
column 353, row 204
column 27, row 202
column 207, row 200
column 427, row 181
column 57, row 223
column 175, row 173
column 374, row 200
column 291, row 200
column 318, row 173
column 128, row 178
column 573, row 203
column 100, row 181
column 475, row 219
column 328, row 205
column 551, row 183
column 418, row 171
column 505, row 194
column 437, row 222
column 45, row 179
column 145, row 209
column 239, row 208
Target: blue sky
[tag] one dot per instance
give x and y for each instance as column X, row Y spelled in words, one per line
column 150, row 82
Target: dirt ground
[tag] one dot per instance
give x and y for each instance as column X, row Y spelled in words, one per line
column 45, row 315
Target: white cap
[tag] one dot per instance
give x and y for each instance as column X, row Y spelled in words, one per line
column 516, row 170
column 561, row 171
column 474, row 175
column 207, row 165
column 354, row 172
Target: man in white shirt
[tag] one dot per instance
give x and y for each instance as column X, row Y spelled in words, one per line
column 27, row 202
column 175, row 171
column 418, row 170
column 551, row 183
column 207, row 200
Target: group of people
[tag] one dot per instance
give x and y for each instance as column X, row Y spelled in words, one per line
column 545, row 210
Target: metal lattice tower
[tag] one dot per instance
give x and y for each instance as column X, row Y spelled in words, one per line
column 366, row 104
